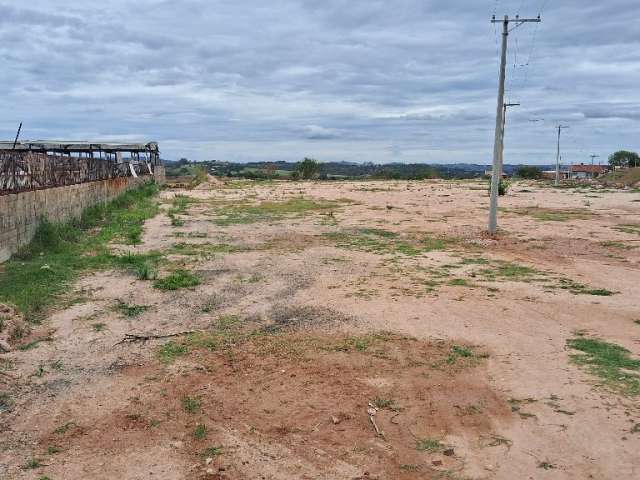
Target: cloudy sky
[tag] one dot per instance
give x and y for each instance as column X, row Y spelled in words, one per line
column 356, row 80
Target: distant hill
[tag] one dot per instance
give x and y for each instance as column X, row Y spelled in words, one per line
column 339, row 170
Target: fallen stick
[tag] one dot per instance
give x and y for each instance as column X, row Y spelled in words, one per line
column 133, row 338
column 375, row 426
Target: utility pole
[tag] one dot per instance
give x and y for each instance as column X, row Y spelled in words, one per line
column 560, row 127
column 592, row 158
column 498, row 145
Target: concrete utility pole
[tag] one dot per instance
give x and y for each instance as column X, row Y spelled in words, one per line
column 498, row 145
column 592, row 158
column 559, row 127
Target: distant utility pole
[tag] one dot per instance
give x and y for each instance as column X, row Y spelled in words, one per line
column 560, row 127
column 498, row 145
column 592, row 158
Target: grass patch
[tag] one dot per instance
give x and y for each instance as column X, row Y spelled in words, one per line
column 360, row 343
column 632, row 228
column 203, row 248
column 130, row 310
column 474, row 261
column 179, row 206
column 191, row 404
column 580, row 289
column 224, row 333
column 32, row 464
column 382, row 242
column 43, row 270
column 99, row 327
column 176, row 280
column 61, row 430
column 611, row 362
column 200, row 432
column 552, row 214
column 270, row 211
column 211, row 452
column 170, row 351
column 429, row 445
column 508, row 271
column 382, row 403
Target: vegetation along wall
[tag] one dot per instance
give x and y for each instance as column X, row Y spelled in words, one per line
column 21, row 213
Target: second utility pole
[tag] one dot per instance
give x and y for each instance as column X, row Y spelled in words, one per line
column 560, row 127
column 498, row 145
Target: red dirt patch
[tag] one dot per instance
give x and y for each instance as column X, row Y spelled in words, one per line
column 294, row 405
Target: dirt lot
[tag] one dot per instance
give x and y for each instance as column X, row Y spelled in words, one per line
column 347, row 330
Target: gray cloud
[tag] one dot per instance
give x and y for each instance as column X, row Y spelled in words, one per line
column 375, row 80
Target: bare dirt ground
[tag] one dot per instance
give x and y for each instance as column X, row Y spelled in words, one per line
column 373, row 332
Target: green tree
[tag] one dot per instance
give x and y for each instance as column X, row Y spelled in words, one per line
column 529, row 171
column 624, row 158
column 308, row 168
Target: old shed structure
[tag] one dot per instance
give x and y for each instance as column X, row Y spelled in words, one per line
column 56, row 181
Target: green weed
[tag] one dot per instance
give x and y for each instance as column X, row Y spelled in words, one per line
column 191, row 404
column 632, row 228
column 429, row 445
column 61, row 430
column 270, row 211
column 200, row 432
column 612, row 363
column 211, row 452
column 176, row 280
column 551, row 214
column 382, row 403
column 580, row 289
column 32, row 464
column 381, row 242
column 130, row 310
column 170, row 351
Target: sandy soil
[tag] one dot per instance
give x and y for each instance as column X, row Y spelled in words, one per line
column 472, row 380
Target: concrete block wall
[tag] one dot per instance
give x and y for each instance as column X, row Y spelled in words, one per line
column 21, row 213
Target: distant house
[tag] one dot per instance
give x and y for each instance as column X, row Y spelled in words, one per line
column 587, row 171
column 551, row 174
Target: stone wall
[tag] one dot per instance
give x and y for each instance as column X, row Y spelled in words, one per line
column 21, row 213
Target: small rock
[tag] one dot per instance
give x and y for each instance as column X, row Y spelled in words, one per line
column 371, row 411
column 210, row 471
column 449, row 452
column 335, row 420
column 436, row 463
column 208, row 460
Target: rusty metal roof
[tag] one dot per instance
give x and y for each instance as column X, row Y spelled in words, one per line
column 77, row 146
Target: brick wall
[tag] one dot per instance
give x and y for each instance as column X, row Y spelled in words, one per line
column 21, row 213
